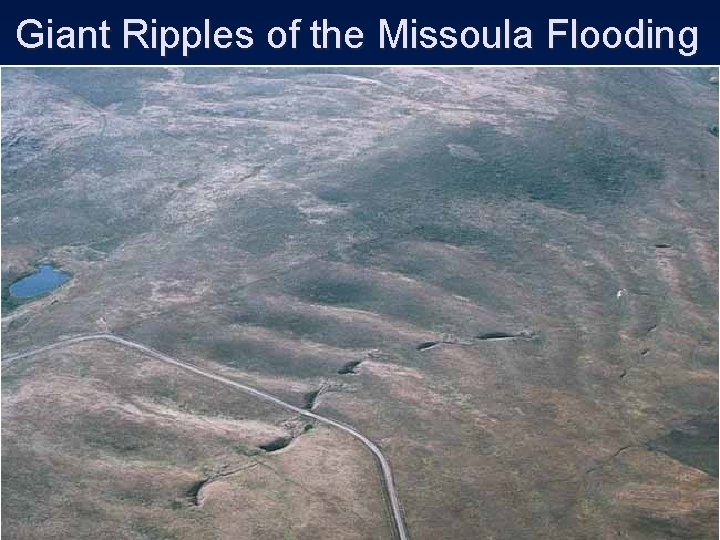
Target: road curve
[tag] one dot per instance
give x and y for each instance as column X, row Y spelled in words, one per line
column 382, row 460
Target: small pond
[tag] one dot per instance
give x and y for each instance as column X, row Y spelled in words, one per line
column 46, row 279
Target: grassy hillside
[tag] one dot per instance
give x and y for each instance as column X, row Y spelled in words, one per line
column 282, row 224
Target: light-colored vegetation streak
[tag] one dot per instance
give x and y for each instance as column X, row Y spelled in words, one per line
column 277, row 225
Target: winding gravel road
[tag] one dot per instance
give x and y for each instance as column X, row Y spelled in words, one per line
column 384, row 464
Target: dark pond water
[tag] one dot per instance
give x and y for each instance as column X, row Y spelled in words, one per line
column 46, row 279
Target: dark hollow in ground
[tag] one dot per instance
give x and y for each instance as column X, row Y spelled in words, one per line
column 349, row 368
column 276, row 444
column 496, row 335
column 194, row 490
column 310, row 398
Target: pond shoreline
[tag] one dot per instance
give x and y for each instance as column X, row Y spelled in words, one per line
column 43, row 280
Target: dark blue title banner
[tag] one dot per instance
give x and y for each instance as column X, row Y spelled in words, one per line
column 264, row 34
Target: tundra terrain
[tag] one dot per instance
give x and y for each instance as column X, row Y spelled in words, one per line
column 505, row 278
